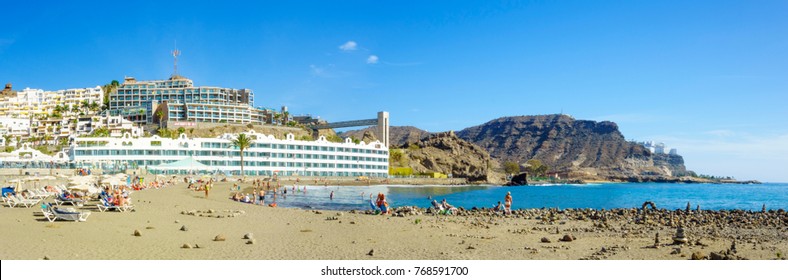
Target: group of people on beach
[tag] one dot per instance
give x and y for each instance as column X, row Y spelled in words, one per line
column 506, row 208
column 201, row 185
column 445, row 208
column 115, row 195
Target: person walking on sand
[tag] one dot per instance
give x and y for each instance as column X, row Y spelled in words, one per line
column 508, row 203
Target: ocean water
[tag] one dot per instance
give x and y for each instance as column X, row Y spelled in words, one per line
column 596, row 196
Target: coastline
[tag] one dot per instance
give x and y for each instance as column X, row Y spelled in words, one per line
column 282, row 233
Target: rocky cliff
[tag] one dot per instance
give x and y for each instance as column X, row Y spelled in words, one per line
column 583, row 149
column 448, row 154
column 398, row 135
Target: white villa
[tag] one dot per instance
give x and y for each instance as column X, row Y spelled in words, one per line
column 267, row 156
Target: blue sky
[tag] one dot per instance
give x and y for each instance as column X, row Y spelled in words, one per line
column 707, row 77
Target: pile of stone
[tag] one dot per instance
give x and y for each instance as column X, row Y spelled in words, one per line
column 210, row 213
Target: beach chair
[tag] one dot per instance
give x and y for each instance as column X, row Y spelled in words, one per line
column 18, row 200
column 69, row 214
column 49, row 194
column 60, row 200
column 48, row 213
column 37, row 194
column 104, row 205
column 7, row 201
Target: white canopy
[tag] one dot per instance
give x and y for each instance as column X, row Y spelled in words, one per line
column 184, row 164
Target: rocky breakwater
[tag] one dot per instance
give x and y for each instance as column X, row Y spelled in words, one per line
column 448, row 154
column 689, row 226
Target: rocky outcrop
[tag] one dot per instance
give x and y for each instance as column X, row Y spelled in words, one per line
column 448, row 154
column 398, row 135
column 368, row 137
column 519, row 180
column 583, row 149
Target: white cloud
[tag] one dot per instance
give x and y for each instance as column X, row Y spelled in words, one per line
column 349, row 46
column 317, row 71
column 372, row 59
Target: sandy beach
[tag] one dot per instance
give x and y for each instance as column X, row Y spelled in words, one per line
column 280, row 233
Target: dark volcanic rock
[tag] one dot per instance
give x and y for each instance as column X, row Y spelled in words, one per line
column 519, row 180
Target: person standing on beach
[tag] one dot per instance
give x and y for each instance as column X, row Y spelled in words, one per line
column 262, row 196
column 208, row 187
column 508, row 203
column 331, row 196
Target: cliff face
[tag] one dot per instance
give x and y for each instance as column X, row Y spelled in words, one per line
column 585, row 149
column 398, row 135
column 448, row 154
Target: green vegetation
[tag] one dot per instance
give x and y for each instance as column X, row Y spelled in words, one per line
column 355, row 140
column 535, row 168
column 242, row 142
column 99, row 132
column 44, row 150
column 511, row 167
column 109, row 88
column 9, row 149
column 395, row 155
column 306, row 138
column 709, row 177
column 167, row 133
column 413, row 147
column 181, row 130
column 401, row 171
column 160, row 116
column 334, row 138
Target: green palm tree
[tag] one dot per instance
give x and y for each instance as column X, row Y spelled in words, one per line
column 160, row 116
column 277, row 118
column 85, row 105
column 242, row 142
column 95, row 106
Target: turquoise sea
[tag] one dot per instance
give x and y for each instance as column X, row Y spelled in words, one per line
column 597, row 196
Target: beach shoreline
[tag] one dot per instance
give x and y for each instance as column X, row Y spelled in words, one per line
column 409, row 233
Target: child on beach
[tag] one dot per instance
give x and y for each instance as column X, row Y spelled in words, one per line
column 382, row 203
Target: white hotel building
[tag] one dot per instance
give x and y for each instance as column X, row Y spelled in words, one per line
column 267, row 156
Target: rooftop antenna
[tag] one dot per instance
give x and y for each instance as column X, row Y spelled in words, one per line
column 175, row 54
